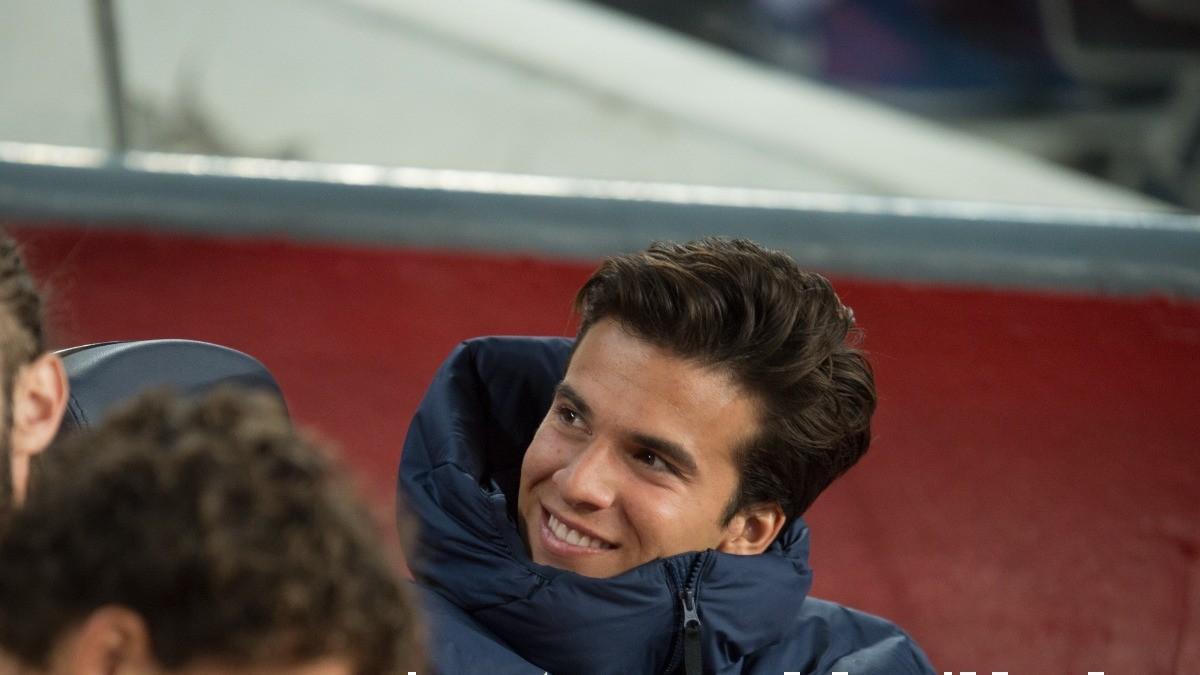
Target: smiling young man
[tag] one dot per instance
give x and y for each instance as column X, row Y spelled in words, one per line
column 630, row 502
column 636, row 460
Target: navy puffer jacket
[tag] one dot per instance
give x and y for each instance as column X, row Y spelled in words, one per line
column 492, row 610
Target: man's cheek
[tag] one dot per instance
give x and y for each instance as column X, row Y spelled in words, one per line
column 664, row 523
column 535, row 455
column 548, row 453
column 535, row 466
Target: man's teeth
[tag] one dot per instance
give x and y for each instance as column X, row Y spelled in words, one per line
column 573, row 537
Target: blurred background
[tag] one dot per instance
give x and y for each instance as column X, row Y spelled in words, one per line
column 1004, row 192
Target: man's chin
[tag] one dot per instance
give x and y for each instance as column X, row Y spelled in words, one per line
column 592, row 569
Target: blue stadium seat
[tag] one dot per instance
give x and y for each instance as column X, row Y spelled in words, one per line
column 104, row 374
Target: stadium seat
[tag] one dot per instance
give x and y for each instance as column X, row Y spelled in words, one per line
column 104, row 374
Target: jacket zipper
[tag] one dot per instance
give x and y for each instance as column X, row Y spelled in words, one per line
column 692, row 660
column 693, row 663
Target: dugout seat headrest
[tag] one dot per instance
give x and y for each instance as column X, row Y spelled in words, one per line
column 104, row 374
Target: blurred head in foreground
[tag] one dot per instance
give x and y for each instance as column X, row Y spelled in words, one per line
column 34, row 386
column 197, row 536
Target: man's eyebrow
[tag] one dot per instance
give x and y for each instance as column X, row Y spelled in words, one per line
column 670, row 450
column 564, row 390
column 674, row 452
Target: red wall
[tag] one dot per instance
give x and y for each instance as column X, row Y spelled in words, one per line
column 1031, row 502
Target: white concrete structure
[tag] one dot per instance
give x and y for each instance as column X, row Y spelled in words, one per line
column 551, row 87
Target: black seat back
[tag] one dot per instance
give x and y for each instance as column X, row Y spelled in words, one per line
column 104, row 374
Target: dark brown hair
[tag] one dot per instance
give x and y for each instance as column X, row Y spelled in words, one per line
column 234, row 537
column 780, row 332
column 22, row 338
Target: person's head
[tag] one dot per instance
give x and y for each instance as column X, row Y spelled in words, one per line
column 713, row 393
column 198, row 537
column 33, row 386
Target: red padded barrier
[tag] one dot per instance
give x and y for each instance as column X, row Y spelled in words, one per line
column 1031, row 502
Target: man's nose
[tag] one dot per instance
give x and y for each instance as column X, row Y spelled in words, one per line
column 587, row 481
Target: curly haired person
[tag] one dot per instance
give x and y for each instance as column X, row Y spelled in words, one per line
column 33, row 384
column 194, row 537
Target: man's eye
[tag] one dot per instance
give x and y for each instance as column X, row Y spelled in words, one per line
column 569, row 417
column 652, row 460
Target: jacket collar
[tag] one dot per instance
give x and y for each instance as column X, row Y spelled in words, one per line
column 460, row 464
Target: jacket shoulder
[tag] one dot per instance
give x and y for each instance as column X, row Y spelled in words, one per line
column 833, row 638
column 459, row 644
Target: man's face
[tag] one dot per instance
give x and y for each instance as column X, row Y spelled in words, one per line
column 634, row 461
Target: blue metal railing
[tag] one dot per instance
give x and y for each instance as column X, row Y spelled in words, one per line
column 877, row 237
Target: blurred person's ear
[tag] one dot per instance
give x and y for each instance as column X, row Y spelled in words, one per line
column 39, row 398
column 111, row 641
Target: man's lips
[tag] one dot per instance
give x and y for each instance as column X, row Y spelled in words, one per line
column 570, row 539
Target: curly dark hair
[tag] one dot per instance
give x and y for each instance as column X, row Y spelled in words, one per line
column 781, row 332
column 22, row 337
column 233, row 536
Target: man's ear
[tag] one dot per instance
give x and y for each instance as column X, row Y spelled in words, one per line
column 112, row 640
column 39, row 399
column 752, row 529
